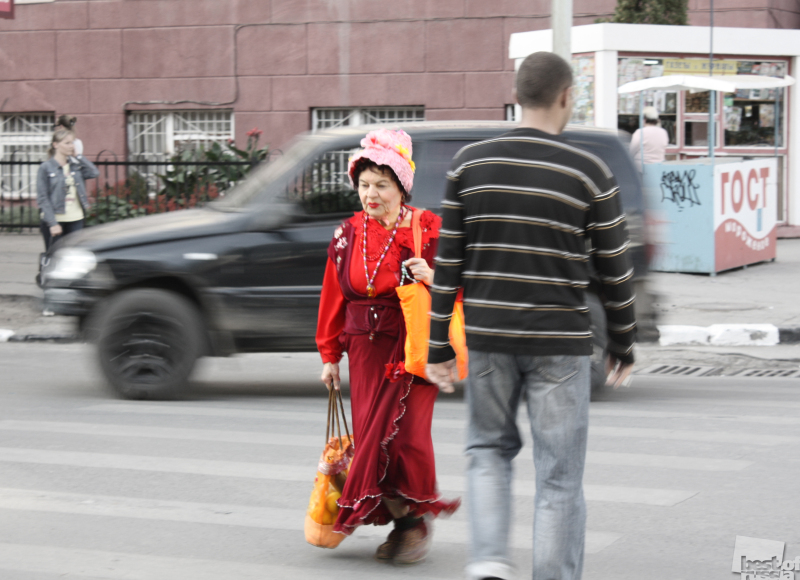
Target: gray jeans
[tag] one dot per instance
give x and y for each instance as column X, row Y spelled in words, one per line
column 556, row 389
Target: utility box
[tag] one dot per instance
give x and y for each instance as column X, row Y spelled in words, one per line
column 712, row 215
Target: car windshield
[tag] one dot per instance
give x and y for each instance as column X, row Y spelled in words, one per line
column 255, row 187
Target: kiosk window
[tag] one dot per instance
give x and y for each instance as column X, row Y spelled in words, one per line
column 665, row 102
column 696, row 133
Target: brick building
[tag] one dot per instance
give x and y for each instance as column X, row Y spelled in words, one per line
column 147, row 76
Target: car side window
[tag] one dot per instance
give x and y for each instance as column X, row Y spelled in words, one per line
column 433, row 159
column 323, row 188
column 619, row 162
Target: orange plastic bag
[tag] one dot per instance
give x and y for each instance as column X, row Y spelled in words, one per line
column 415, row 301
column 329, row 482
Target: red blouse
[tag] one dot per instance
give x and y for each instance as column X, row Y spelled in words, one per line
column 333, row 306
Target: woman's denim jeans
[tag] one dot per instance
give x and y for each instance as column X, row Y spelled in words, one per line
column 556, row 389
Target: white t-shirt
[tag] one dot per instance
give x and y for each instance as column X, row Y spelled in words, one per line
column 656, row 140
column 73, row 211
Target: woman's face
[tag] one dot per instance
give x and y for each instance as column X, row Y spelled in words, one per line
column 380, row 196
column 66, row 146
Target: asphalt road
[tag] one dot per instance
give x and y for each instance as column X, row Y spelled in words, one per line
column 215, row 486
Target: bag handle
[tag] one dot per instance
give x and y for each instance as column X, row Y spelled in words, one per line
column 344, row 415
column 416, row 231
column 328, row 433
column 335, row 402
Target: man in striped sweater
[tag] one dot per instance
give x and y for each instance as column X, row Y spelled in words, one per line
column 526, row 218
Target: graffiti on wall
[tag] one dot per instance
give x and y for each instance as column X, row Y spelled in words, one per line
column 679, row 187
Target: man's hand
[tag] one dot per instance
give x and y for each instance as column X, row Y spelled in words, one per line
column 56, row 230
column 618, row 373
column 443, row 375
column 330, row 373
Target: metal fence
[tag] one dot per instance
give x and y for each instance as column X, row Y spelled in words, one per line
column 124, row 189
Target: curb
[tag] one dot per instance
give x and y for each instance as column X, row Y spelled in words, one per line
column 669, row 335
column 10, row 336
column 59, row 338
column 728, row 335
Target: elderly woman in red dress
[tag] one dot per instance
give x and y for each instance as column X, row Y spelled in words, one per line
column 393, row 475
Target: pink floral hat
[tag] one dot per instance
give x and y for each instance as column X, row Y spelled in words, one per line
column 391, row 148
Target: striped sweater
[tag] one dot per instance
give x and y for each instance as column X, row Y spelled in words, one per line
column 527, row 218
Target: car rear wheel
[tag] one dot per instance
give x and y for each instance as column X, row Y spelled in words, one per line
column 148, row 342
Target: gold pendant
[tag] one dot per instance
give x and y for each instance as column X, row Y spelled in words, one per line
column 370, row 291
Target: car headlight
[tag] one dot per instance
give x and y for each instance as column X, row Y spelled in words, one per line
column 70, row 264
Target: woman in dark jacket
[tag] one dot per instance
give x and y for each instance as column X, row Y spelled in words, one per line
column 61, row 187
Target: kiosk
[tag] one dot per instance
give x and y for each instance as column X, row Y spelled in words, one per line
column 748, row 123
column 712, row 215
column 715, row 213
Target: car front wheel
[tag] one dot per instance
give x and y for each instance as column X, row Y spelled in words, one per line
column 148, row 342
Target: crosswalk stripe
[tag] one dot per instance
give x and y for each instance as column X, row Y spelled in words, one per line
column 778, row 402
column 453, row 449
column 97, row 564
column 156, row 409
column 741, row 438
column 438, row 423
column 186, row 434
column 666, row 461
column 317, row 416
column 762, row 419
column 448, row 531
column 609, row 493
column 303, row 474
column 255, row 438
column 211, row 467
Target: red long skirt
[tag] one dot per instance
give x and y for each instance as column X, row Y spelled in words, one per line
column 393, row 446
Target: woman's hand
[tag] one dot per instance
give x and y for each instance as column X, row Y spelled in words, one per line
column 330, row 373
column 419, row 268
column 56, row 230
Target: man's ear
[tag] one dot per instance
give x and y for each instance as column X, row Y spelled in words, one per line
column 563, row 99
column 514, row 96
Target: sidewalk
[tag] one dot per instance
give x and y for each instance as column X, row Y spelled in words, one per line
column 20, row 297
column 763, row 294
column 19, row 257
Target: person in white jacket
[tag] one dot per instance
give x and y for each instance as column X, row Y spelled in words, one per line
column 655, row 140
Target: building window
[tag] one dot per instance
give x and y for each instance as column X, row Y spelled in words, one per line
column 511, row 113
column 332, row 118
column 327, row 182
column 161, row 134
column 23, row 138
column 26, row 137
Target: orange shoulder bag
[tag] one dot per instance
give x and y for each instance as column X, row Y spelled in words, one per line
column 415, row 301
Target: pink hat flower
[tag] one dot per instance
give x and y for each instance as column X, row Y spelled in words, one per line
column 390, row 148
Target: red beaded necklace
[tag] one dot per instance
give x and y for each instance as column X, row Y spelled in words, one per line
column 371, row 279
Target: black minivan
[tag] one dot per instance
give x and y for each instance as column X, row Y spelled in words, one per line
column 244, row 273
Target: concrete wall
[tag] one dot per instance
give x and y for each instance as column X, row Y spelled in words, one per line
column 91, row 57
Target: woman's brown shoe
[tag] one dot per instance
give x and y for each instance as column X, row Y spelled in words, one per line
column 414, row 545
column 388, row 549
